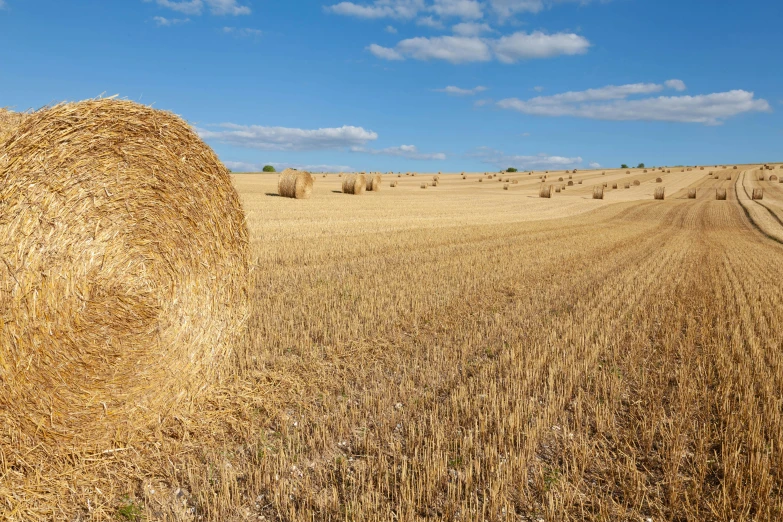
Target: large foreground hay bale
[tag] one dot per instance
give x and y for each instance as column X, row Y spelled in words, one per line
column 758, row 193
column 720, row 194
column 123, row 287
column 354, row 184
column 373, row 182
column 296, row 184
column 691, row 193
column 545, row 191
column 660, row 193
column 598, row 192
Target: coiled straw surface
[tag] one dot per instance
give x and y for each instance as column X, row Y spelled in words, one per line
column 373, row 182
column 660, row 193
column 296, row 184
column 598, row 192
column 354, row 184
column 123, row 286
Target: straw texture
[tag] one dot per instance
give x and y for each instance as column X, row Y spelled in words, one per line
column 123, row 286
column 354, row 184
column 373, row 182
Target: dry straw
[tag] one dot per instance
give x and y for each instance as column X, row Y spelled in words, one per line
column 373, row 182
column 557, row 189
column 659, row 180
column 773, row 178
column 393, row 184
column 758, row 193
column 598, row 192
column 296, row 184
column 423, row 185
column 9, row 120
column 636, row 183
column 123, row 287
column 720, row 194
column 614, row 185
column 627, row 185
column 692, row 194
column 354, row 184
column 660, row 193
column 545, row 191
column 560, row 178
column 570, row 183
column 505, row 187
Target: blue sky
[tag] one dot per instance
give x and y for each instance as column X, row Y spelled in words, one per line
column 426, row 85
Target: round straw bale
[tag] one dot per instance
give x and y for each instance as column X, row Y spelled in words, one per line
column 557, row 189
column 758, row 193
column 296, row 184
column 423, row 185
column 773, row 178
column 659, row 180
column 481, row 180
column 570, row 176
column 614, row 185
column 393, row 184
column 580, row 181
column 691, row 193
column 627, row 185
column 124, row 285
column 436, row 178
column 373, row 182
column 515, row 182
column 354, row 184
column 570, row 183
column 505, row 187
column 627, row 171
column 545, row 191
column 636, row 183
column 734, row 167
column 720, row 194
column 660, row 193
column 560, row 178
column 598, row 192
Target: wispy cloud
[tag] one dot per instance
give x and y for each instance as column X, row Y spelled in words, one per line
column 428, row 21
column 243, row 32
column 612, row 103
column 242, row 166
column 499, row 159
column 167, row 22
column 677, row 85
column 456, row 91
column 403, row 151
column 390, row 29
column 507, row 49
column 594, row 165
column 196, row 7
column 470, row 29
column 284, row 138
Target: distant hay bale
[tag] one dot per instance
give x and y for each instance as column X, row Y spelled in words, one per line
column 373, row 182
column 758, row 193
column 702, row 168
column 436, row 178
column 481, row 180
column 660, row 193
column 545, row 191
column 598, row 192
column 557, row 189
column 574, row 171
column 734, row 167
column 627, row 185
column 505, row 187
column 296, row 184
column 627, row 171
column 668, row 172
column 614, row 185
column 560, row 178
column 435, row 183
column 760, row 177
column 580, row 181
column 354, row 184
column 720, row 194
column 728, row 178
column 399, row 175
column 636, row 183
column 423, row 185
column 570, row 176
column 773, row 178
column 125, row 271
column 645, row 171
column 691, row 193
column 515, row 182
column 323, row 176
column 659, row 180
column 570, row 183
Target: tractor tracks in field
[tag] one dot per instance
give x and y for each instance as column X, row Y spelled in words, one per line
column 771, row 229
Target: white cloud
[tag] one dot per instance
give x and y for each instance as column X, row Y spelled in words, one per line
column 167, row 22
column 428, row 21
column 462, row 92
column 471, row 29
column 508, row 49
column 403, row 9
column 242, row 166
column 523, row 46
column 403, row 151
column 390, row 29
column 196, row 7
column 283, row 138
column 465, row 9
column 384, row 53
column 538, row 88
column 612, row 103
column 677, row 85
column 538, row 162
column 507, row 8
column 243, row 32
column 594, row 165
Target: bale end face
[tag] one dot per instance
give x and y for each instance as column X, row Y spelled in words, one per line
column 692, row 194
column 720, row 194
column 354, row 184
column 545, row 191
column 660, row 193
column 758, row 193
column 598, row 192
column 151, row 256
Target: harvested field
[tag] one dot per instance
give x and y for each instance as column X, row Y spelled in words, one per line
column 643, row 382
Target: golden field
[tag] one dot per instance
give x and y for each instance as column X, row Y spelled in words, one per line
column 471, row 353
